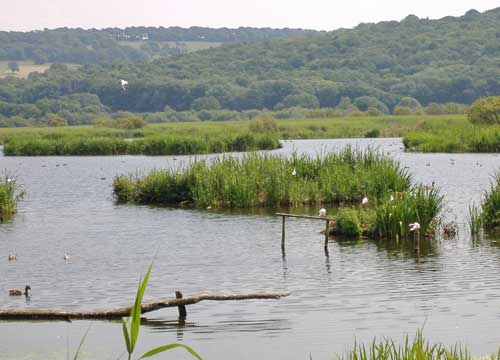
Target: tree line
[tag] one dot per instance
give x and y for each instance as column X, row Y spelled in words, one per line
column 389, row 67
column 81, row 46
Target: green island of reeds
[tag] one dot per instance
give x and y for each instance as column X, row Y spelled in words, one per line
column 50, row 145
column 10, row 195
column 264, row 180
column 488, row 216
column 460, row 139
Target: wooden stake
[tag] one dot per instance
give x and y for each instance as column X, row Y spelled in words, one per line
column 283, row 233
column 327, row 232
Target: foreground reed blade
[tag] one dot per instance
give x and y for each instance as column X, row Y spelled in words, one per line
column 132, row 324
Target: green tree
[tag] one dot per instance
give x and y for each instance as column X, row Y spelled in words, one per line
column 13, row 66
column 304, row 100
column 363, row 103
column 205, row 103
column 485, row 110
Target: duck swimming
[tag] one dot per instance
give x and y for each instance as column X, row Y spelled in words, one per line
column 14, row 292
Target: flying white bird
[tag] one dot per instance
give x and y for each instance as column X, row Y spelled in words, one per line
column 415, row 226
column 66, row 256
column 294, row 172
column 124, row 84
column 322, row 212
column 364, row 202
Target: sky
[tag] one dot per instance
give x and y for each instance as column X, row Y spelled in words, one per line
column 25, row 15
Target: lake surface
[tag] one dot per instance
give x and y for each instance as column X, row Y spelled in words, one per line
column 355, row 292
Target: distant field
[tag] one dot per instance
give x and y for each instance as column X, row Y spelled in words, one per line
column 25, row 68
column 190, row 46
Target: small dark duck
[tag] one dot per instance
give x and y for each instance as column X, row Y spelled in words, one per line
column 14, row 292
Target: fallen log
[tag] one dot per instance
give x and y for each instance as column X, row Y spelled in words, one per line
column 118, row 313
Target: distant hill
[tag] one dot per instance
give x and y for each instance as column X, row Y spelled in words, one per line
column 130, row 44
column 454, row 59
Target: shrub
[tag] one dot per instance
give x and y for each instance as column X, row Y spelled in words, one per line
column 375, row 133
column 347, row 223
column 263, row 124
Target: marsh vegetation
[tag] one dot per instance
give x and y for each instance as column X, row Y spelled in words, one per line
column 11, row 194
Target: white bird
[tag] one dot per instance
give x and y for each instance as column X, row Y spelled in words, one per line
column 124, row 84
column 10, row 180
column 391, row 198
column 322, row 212
column 364, row 202
column 415, row 226
column 294, row 172
column 66, row 256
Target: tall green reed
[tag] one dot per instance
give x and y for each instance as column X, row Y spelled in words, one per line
column 132, row 324
column 11, row 193
column 411, row 349
column 396, row 210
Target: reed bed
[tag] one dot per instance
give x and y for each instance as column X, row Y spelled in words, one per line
column 269, row 180
column 11, row 194
column 465, row 138
column 488, row 216
column 410, row 349
column 155, row 145
column 389, row 217
column 398, row 210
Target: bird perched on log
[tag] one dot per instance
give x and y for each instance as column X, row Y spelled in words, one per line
column 15, row 292
column 322, row 212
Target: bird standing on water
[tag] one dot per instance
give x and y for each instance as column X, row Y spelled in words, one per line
column 14, row 292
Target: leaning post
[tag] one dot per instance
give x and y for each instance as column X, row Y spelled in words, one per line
column 182, row 308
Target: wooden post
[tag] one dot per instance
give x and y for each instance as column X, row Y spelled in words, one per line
column 416, row 241
column 182, row 308
column 327, row 232
column 283, row 233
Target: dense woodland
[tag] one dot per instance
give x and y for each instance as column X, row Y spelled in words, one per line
column 81, row 46
column 389, row 67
